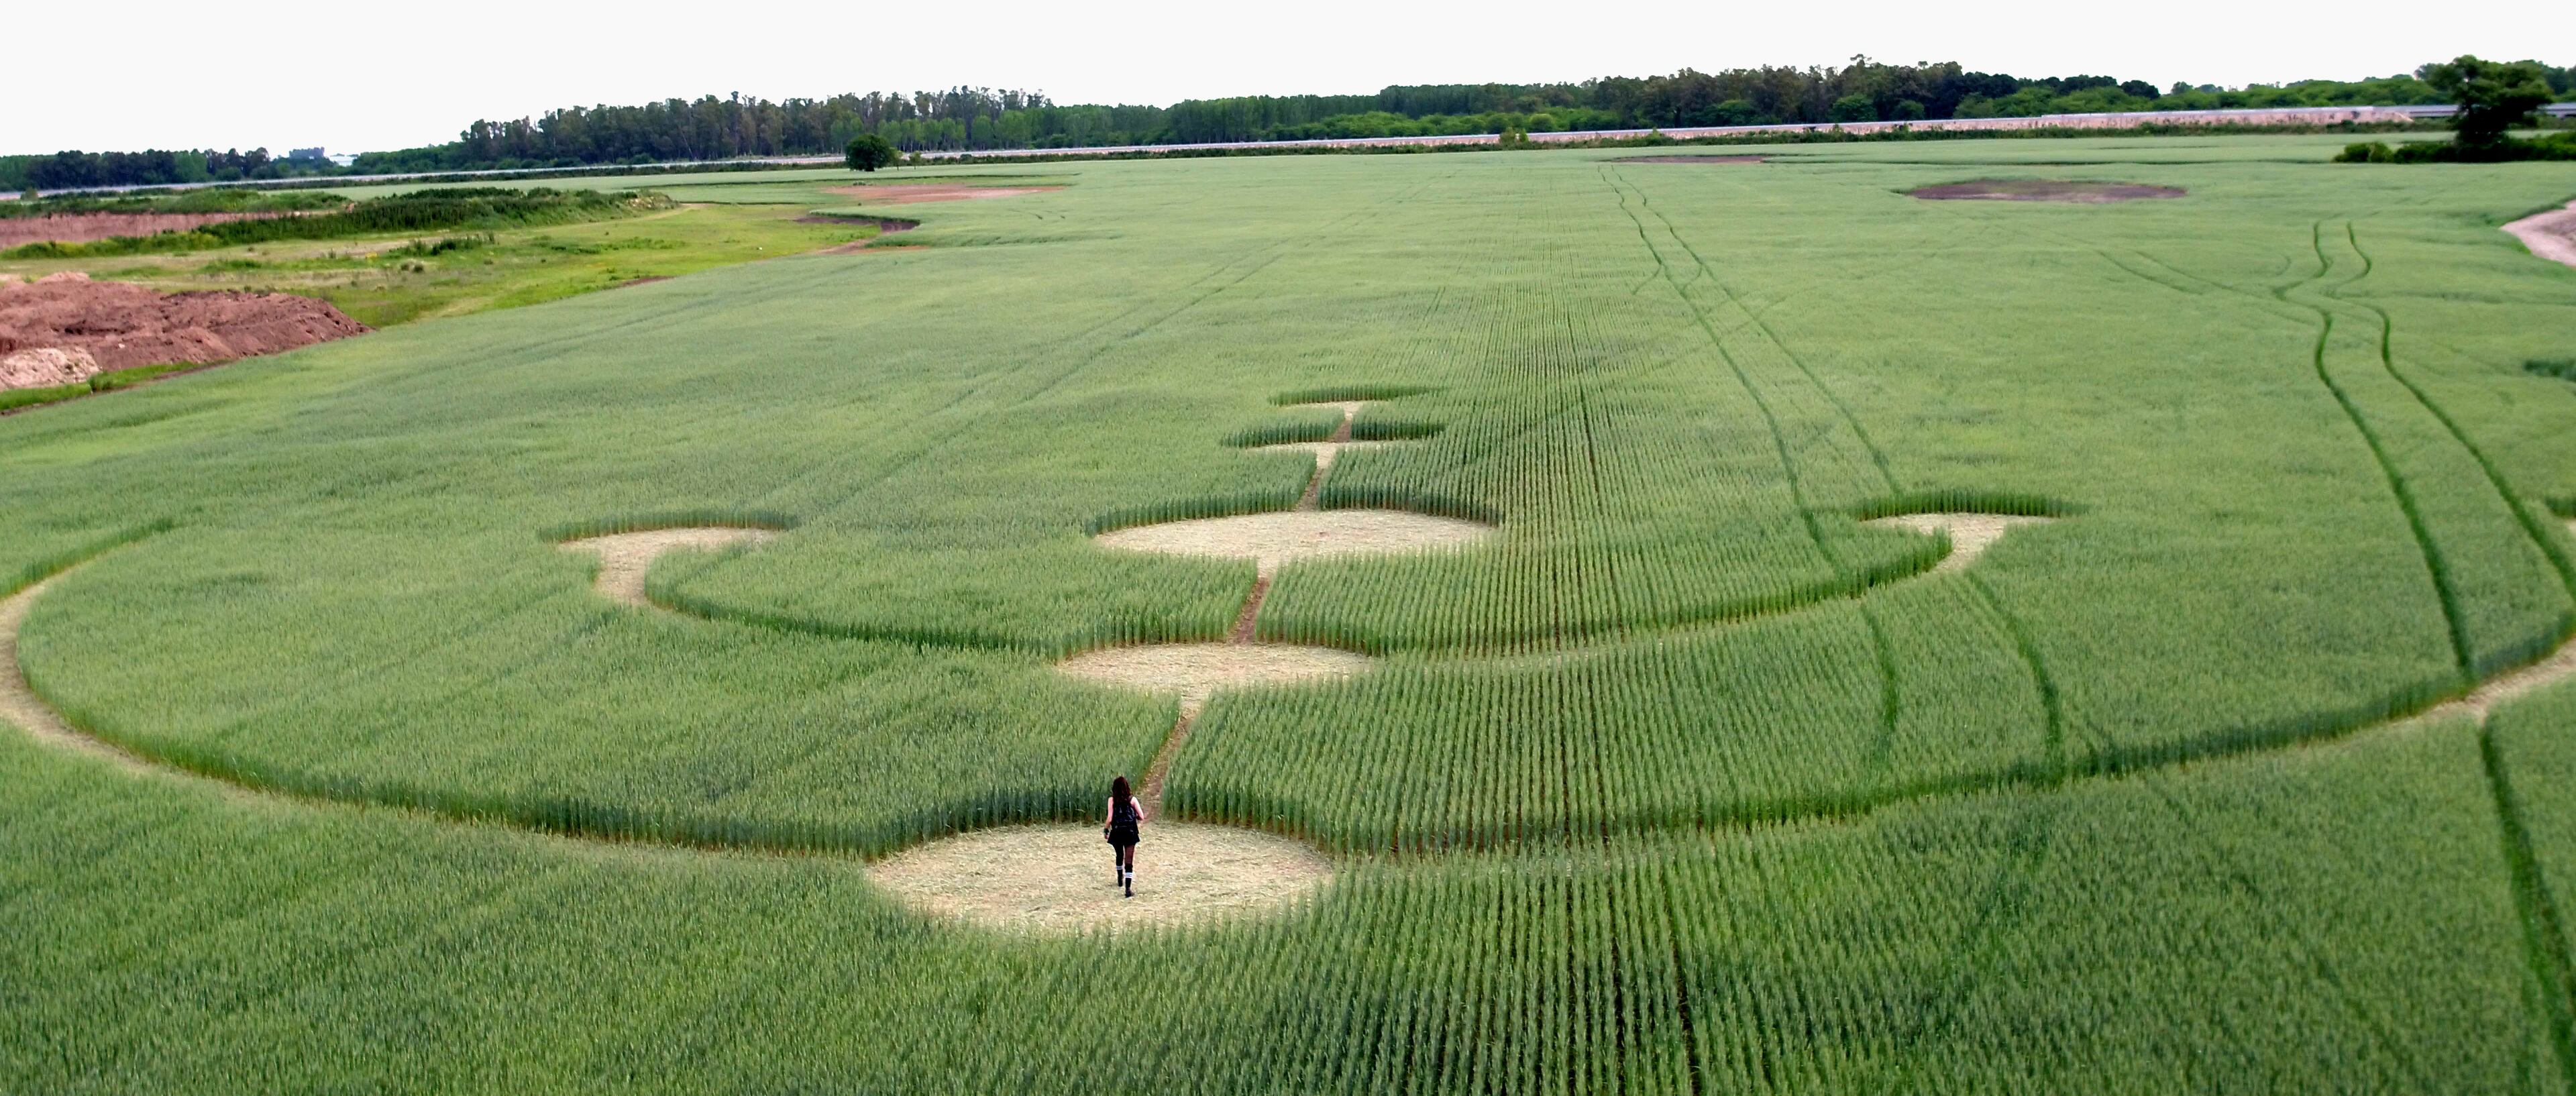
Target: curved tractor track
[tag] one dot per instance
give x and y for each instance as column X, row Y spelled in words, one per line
column 1051, row 878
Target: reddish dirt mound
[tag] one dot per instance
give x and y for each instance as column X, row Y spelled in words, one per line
column 79, row 228
column 1695, row 160
column 123, row 326
column 2043, row 190
column 906, row 193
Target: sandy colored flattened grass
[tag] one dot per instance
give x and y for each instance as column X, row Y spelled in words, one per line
column 2550, row 235
column 1056, row 879
column 1280, row 536
column 1970, row 534
column 1197, row 670
column 624, row 558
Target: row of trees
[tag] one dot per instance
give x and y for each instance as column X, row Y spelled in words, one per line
column 984, row 118
column 83, row 170
column 711, row 128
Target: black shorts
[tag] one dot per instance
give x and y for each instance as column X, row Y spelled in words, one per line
column 1122, row 836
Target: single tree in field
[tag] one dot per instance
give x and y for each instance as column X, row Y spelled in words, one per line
column 2494, row 96
column 870, row 152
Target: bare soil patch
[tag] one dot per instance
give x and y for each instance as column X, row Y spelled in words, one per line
column 1970, row 534
column 625, row 558
column 886, row 226
column 47, row 367
column 1196, row 671
column 81, row 228
column 1279, row 536
column 121, row 326
column 1695, row 160
column 1056, row 879
column 2043, row 190
column 908, row 193
column 2550, row 235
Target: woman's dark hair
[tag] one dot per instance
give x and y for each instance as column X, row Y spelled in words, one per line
column 1118, row 790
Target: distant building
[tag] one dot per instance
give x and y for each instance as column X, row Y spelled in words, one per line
column 314, row 153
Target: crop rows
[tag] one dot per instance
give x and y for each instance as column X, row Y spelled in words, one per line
column 2337, row 916
column 1784, row 717
column 1639, row 799
column 1616, row 514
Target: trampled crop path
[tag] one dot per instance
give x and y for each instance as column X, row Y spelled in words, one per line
column 1760, row 631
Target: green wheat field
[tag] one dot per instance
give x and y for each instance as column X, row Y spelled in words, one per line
column 1685, row 781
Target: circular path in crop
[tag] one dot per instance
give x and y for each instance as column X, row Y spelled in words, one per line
column 1056, row 878
column 2043, row 190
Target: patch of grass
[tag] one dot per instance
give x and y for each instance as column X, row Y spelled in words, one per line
column 16, row 398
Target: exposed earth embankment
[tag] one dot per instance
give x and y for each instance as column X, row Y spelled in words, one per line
column 81, row 228
column 114, row 325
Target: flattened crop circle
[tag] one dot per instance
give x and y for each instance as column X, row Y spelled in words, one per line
column 1057, row 878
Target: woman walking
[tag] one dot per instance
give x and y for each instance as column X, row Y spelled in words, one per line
column 1125, row 815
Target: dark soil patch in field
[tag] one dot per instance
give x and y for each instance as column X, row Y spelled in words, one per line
column 122, row 326
column 644, row 280
column 855, row 247
column 905, row 193
column 2043, row 190
column 81, row 228
column 1695, row 160
column 884, row 224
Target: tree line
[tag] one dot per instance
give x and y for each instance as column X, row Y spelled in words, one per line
column 971, row 119
column 83, row 170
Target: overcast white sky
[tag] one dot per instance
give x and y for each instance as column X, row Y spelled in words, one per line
column 358, row 77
